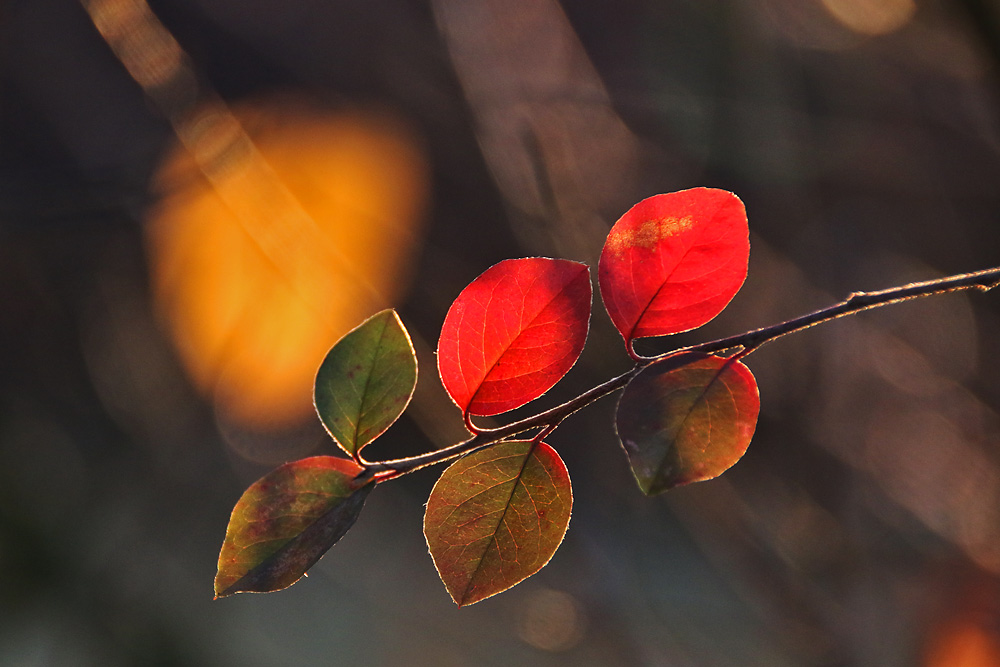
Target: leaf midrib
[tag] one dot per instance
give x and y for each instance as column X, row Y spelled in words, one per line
column 520, row 333
column 500, row 522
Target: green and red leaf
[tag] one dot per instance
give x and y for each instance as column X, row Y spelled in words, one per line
column 286, row 521
column 674, row 261
column 513, row 333
column 496, row 517
column 686, row 419
column 366, row 381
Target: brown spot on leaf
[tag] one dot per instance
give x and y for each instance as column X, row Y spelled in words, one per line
column 649, row 233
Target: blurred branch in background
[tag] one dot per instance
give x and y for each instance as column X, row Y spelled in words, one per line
column 266, row 248
column 984, row 15
column 563, row 159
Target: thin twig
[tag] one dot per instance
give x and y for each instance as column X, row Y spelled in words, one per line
column 744, row 343
column 982, row 280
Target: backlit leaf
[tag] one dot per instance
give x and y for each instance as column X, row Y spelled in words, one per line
column 495, row 517
column 674, row 261
column 366, row 381
column 286, row 521
column 686, row 419
column 514, row 332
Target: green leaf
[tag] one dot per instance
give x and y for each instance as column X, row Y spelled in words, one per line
column 687, row 419
column 286, row 521
column 366, row 381
column 496, row 516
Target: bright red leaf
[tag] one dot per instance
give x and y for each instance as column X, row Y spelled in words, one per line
column 674, row 261
column 495, row 517
column 286, row 521
column 686, row 419
column 513, row 333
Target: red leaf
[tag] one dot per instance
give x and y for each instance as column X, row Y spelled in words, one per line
column 496, row 517
column 513, row 333
column 286, row 521
column 687, row 419
column 674, row 261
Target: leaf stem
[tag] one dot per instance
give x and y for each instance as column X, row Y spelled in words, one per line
column 490, row 436
column 467, row 418
column 746, row 342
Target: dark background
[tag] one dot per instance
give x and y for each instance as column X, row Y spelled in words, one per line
column 861, row 528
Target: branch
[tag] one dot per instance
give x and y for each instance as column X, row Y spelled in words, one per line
column 744, row 344
column 548, row 419
column 982, row 280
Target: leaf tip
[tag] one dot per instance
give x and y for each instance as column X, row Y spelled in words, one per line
column 222, row 592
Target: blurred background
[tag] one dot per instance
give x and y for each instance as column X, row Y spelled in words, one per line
column 197, row 198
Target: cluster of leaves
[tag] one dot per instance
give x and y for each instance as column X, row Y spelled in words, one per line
column 497, row 514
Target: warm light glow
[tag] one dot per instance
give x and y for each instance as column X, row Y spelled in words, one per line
column 551, row 621
column 274, row 241
column 871, row 17
column 964, row 645
column 280, row 228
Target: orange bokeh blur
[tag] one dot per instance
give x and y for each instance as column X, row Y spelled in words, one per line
column 872, row 17
column 964, row 645
column 280, row 229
